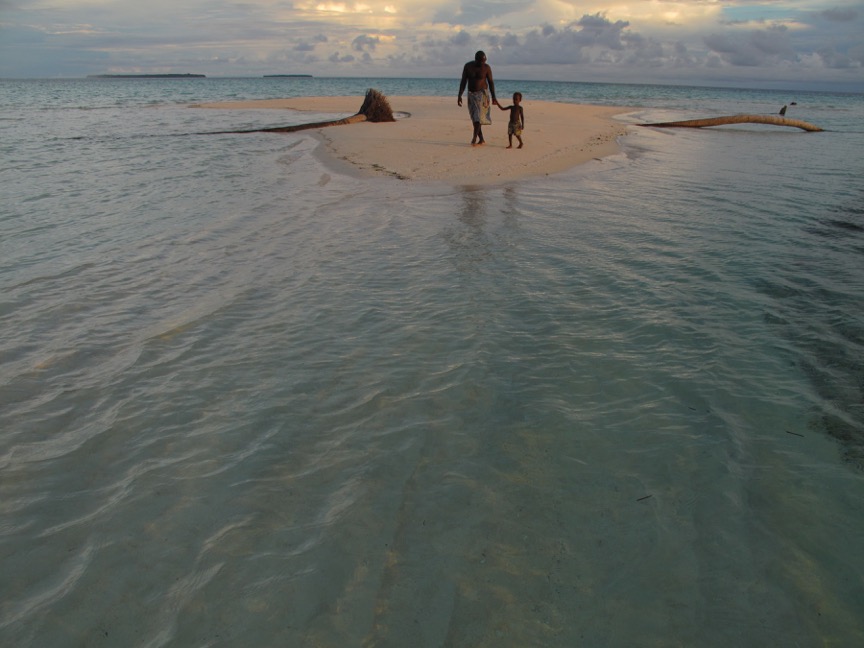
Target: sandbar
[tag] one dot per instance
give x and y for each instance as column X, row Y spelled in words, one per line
column 430, row 140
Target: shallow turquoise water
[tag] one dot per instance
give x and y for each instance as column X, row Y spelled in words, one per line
column 245, row 400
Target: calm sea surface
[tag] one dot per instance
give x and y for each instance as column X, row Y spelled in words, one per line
column 246, row 400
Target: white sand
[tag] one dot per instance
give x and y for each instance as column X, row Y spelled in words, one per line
column 431, row 140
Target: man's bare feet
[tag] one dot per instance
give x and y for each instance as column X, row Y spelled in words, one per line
column 511, row 146
column 520, row 146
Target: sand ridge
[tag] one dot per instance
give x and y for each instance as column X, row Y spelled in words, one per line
column 430, row 141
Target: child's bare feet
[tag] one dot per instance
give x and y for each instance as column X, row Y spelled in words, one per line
column 510, row 146
column 520, row 146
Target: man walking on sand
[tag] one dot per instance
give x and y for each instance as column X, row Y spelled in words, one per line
column 477, row 75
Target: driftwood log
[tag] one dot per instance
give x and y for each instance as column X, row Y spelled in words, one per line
column 740, row 119
column 375, row 108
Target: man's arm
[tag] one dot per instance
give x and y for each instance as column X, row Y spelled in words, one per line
column 462, row 85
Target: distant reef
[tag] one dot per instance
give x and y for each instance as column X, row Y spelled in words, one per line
column 287, row 76
column 146, row 76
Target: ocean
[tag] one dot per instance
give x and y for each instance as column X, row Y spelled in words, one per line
column 249, row 400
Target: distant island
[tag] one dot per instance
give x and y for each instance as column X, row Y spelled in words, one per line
column 146, row 76
column 288, row 76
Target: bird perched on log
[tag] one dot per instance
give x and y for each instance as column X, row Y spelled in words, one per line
column 783, row 111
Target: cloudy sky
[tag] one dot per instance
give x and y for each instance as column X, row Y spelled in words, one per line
column 763, row 43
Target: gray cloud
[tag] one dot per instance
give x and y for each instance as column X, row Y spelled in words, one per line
column 460, row 39
column 335, row 57
column 602, row 32
column 754, row 48
column 839, row 15
column 362, row 43
column 833, row 59
column 596, row 41
column 572, row 44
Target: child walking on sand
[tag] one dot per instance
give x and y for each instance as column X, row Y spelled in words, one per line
column 517, row 119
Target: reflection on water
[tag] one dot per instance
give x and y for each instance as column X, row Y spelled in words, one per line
column 467, row 238
column 487, row 226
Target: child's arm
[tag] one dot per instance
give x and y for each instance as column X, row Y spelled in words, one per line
column 522, row 117
column 503, row 108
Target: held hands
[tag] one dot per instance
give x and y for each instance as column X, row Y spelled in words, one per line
column 459, row 100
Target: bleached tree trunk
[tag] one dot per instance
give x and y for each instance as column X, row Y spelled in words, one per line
column 375, row 108
column 740, row 119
